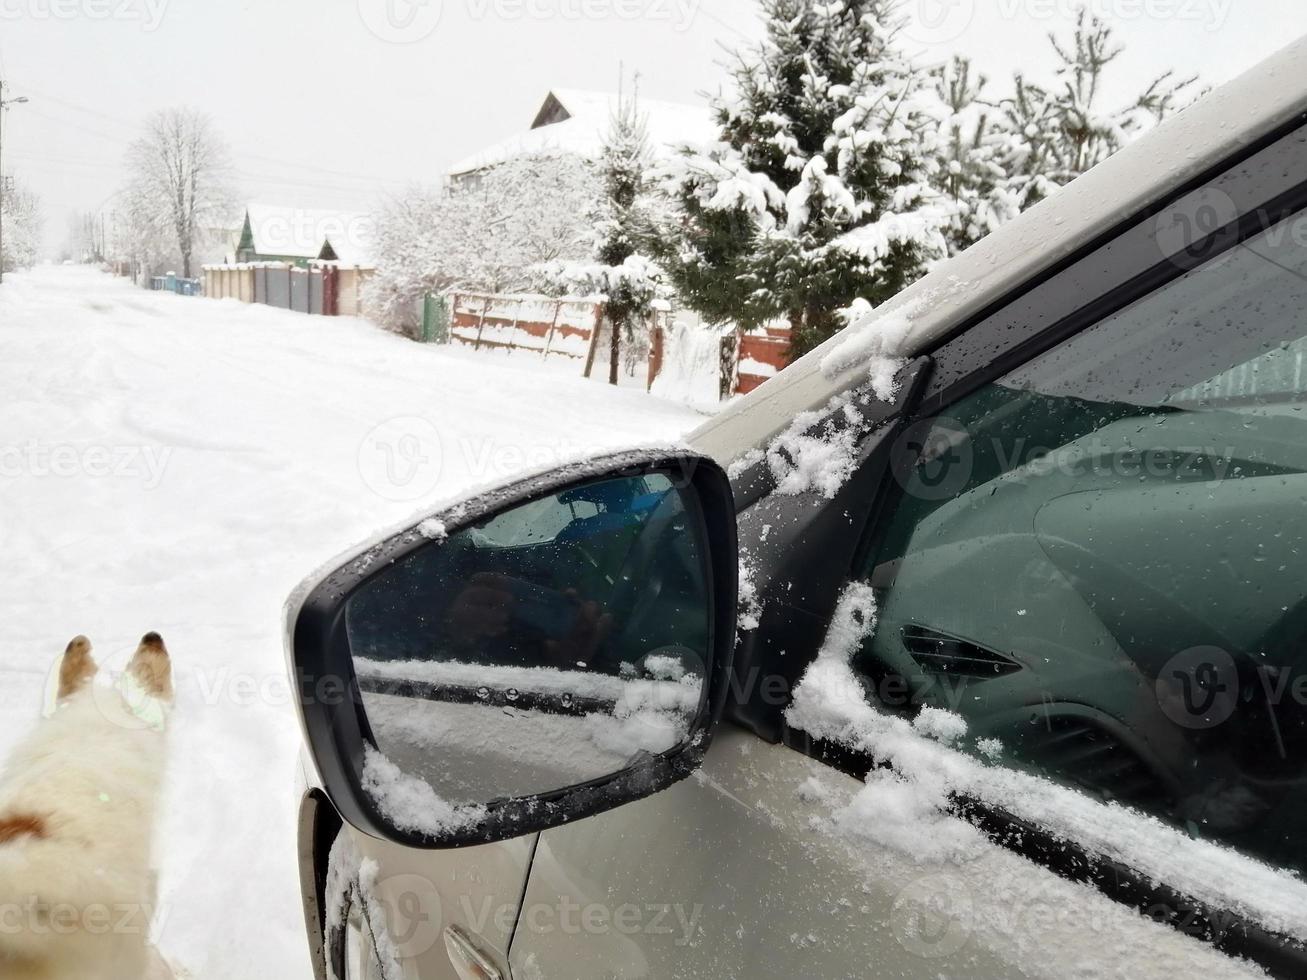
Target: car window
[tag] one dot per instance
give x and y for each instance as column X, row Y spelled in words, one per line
column 1100, row 560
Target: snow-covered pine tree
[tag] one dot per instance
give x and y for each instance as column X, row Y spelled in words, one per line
column 628, row 280
column 1060, row 131
column 622, row 227
column 829, row 130
column 972, row 146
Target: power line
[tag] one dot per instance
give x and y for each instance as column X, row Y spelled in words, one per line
column 244, row 153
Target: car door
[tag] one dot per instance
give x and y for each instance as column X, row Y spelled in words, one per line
column 1051, row 631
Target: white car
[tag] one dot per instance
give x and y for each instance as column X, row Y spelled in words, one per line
column 1004, row 676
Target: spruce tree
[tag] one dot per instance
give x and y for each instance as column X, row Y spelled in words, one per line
column 995, row 159
column 973, row 144
column 828, row 131
column 619, row 270
column 1060, row 131
column 622, row 226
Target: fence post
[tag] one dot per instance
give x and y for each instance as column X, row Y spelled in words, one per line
column 440, row 306
column 600, row 310
column 434, row 325
column 655, row 354
column 485, row 308
column 553, row 325
column 330, row 284
column 517, row 317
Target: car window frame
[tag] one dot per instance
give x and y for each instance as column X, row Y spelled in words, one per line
column 1261, row 186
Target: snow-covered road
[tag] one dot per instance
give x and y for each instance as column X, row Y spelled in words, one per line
column 179, row 464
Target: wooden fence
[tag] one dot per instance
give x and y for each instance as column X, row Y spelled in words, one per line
column 326, row 288
column 565, row 327
column 760, row 355
column 735, row 364
column 574, row 327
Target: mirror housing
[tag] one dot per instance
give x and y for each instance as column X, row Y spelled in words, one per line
column 332, row 701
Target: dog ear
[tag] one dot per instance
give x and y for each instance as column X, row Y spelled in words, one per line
column 77, row 669
column 151, row 666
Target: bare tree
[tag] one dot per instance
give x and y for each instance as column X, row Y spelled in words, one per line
column 180, row 174
column 23, row 220
column 142, row 237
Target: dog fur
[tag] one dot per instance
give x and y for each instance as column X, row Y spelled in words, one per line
column 77, row 809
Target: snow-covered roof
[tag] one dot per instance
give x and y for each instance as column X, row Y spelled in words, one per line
column 1162, row 160
column 303, row 232
column 587, row 116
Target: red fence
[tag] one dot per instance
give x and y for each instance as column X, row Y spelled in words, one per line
column 570, row 327
column 760, row 356
column 526, row 322
column 702, row 359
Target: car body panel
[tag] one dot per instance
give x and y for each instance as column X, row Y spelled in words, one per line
column 422, row 893
column 746, row 853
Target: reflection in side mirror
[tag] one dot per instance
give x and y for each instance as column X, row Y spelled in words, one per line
column 554, row 644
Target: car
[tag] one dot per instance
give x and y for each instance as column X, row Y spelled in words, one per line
column 994, row 670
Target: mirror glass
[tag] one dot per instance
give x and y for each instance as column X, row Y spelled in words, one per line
column 555, row 643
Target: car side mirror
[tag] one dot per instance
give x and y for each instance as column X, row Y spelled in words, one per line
column 530, row 656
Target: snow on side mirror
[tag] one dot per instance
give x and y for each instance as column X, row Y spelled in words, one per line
column 534, row 655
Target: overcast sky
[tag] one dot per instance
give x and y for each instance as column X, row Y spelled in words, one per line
column 334, row 102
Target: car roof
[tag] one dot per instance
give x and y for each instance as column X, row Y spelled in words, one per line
column 1180, row 150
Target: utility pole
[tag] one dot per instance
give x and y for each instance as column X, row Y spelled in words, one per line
column 4, row 107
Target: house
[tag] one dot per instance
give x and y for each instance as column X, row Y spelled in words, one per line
column 575, row 121
column 277, row 233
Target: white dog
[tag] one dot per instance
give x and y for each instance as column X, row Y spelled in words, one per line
column 77, row 807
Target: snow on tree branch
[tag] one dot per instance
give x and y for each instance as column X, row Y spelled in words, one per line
column 487, row 232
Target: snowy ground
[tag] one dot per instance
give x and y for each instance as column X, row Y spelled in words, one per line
column 179, row 464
